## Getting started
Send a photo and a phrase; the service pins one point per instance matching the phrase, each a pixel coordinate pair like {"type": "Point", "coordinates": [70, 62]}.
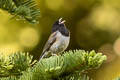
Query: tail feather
{"type": "Point", "coordinates": [43, 55]}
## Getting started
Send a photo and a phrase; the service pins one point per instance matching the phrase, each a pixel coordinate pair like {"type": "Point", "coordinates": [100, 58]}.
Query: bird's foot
{"type": "Point", "coordinates": [54, 54]}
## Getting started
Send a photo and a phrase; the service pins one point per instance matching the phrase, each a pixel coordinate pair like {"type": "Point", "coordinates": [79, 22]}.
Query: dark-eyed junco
{"type": "Point", "coordinates": [58, 40]}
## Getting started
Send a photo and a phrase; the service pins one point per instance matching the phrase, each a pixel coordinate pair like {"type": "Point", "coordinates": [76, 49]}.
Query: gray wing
{"type": "Point", "coordinates": [50, 41]}
{"type": "Point", "coordinates": [47, 46]}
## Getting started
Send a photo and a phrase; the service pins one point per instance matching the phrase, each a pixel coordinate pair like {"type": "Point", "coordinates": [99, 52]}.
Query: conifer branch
{"type": "Point", "coordinates": [8, 5]}
{"type": "Point", "coordinates": [68, 66]}
{"type": "Point", "coordinates": [14, 64]}
{"type": "Point", "coordinates": [75, 77]}
{"type": "Point", "coordinates": [26, 9]}
{"type": "Point", "coordinates": [9, 78]}
{"type": "Point", "coordinates": [118, 78]}
{"type": "Point", "coordinates": [58, 66]}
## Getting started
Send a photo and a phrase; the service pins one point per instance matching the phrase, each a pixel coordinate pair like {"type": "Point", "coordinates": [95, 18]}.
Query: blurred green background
{"type": "Point", "coordinates": [94, 24]}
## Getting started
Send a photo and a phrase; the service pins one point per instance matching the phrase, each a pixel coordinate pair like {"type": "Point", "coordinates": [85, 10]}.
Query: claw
{"type": "Point", "coordinates": [54, 54]}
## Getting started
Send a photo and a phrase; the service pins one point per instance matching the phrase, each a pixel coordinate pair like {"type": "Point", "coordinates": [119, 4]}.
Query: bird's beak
{"type": "Point", "coordinates": [61, 22]}
{"type": "Point", "coordinates": [60, 19]}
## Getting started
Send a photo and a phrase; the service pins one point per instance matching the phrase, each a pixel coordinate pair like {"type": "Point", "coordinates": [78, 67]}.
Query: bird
{"type": "Point", "coordinates": [58, 40]}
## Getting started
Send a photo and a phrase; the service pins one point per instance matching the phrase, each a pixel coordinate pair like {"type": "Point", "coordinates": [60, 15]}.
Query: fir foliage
{"type": "Point", "coordinates": [118, 78]}
{"type": "Point", "coordinates": [5, 66]}
{"type": "Point", "coordinates": [75, 77]}
{"type": "Point", "coordinates": [14, 64]}
{"type": "Point", "coordinates": [26, 9]}
{"type": "Point", "coordinates": [68, 66]}
{"type": "Point", "coordinates": [9, 78]}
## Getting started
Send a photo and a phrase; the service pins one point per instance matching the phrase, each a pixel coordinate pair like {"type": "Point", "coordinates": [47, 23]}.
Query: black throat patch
{"type": "Point", "coordinates": [64, 31]}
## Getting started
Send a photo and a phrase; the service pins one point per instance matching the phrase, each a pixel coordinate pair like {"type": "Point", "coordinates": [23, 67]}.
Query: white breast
{"type": "Point", "coordinates": [61, 43]}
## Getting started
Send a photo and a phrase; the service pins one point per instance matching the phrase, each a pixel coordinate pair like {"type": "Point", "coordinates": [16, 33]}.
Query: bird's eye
{"type": "Point", "coordinates": [56, 23]}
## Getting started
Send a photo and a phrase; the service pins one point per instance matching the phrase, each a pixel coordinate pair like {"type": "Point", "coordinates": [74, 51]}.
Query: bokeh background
{"type": "Point", "coordinates": [94, 24]}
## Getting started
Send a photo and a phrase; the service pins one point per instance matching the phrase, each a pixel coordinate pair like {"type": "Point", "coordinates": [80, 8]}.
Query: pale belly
{"type": "Point", "coordinates": [60, 45]}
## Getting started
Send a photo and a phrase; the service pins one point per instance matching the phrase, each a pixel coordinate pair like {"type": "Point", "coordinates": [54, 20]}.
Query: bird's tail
{"type": "Point", "coordinates": [43, 55]}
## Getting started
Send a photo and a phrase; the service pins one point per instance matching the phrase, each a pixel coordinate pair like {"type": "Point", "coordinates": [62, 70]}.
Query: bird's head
{"type": "Point", "coordinates": [58, 25]}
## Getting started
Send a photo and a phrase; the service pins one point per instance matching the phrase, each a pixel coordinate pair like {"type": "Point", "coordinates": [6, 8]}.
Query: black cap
{"type": "Point", "coordinates": [60, 26]}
